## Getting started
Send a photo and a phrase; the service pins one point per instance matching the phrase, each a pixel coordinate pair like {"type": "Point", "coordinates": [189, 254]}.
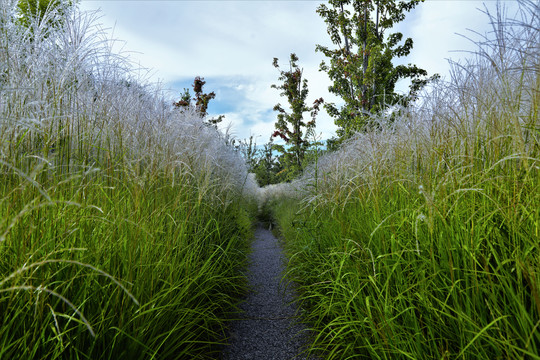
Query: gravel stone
{"type": "Point", "coordinates": [268, 326]}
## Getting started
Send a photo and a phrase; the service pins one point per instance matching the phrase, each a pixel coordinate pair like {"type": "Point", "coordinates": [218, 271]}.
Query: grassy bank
{"type": "Point", "coordinates": [123, 222]}
{"type": "Point", "coordinates": [419, 239]}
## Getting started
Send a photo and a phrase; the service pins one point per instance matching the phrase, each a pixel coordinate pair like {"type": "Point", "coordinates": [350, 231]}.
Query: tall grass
{"type": "Point", "coordinates": [123, 222]}
{"type": "Point", "coordinates": [421, 238]}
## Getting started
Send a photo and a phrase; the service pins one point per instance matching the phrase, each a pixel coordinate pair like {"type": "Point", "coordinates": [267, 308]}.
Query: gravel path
{"type": "Point", "coordinates": [267, 328]}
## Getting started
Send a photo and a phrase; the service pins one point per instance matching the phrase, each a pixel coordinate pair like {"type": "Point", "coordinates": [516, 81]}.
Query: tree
{"type": "Point", "coordinates": [30, 11]}
{"type": "Point", "coordinates": [361, 67]}
{"type": "Point", "coordinates": [248, 149]}
{"type": "Point", "coordinates": [291, 126]}
{"type": "Point", "coordinates": [268, 170]}
{"type": "Point", "coordinates": [262, 162]}
{"type": "Point", "coordinates": [200, 102]}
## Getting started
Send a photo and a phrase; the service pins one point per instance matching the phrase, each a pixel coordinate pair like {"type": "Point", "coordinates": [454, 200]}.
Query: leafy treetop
{"type": "Point", "coordinates": [361, 68]}
{"type": "Point", "coordinates": [201, 101]}
{"type": "Point", "coordinates": [290, 126]}
{"type": "Point", "coordinates": [30, 10]}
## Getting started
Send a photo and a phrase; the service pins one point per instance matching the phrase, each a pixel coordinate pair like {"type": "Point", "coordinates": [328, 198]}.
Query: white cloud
{"type": "Point", "coordinates": [438, 29]}
{"type": "Point", "coordinates": [237, 40]}
{"type": "Point", "coordinates": [183, 39]}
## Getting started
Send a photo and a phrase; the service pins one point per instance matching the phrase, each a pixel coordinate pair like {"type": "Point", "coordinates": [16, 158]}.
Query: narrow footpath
{"type": "Point", "coordinates": [268, 327]}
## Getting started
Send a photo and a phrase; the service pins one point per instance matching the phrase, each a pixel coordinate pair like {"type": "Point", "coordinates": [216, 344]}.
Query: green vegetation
{"type": "Point", "coordinates": [42, 13]}
{"type": "Point", "coordinates": [263, 163]}
{"type": "Point", "coordinates": [123, 221]}
{"type": "Point", "coordinates": [290, 127]}
{"type": "Point", "coordinates": [200, 102]}
{"type": "Point", "coordinates": [363, 75]}
{"type": "Point", "coordinates": [361, 68]}
{"type": "Point", "coordinates": [285, 161]}
{"type": "Point", "coordinates": [102, 264]}
{"type": "Point", "coordinates": [421, 239]}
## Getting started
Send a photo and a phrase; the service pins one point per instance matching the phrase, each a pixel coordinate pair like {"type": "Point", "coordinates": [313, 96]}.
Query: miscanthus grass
{"type": "Point", "coordinates": [420, 238]}
{"type": "Point", "coordinates": [123, 222]}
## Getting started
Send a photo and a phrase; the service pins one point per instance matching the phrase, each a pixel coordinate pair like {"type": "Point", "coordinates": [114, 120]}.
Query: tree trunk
{"type": "Point", "coordinates": [366, 59]}
{"type": "Point", "coordinates": [372, 99]}
{"type": "Point", "coordinates": [347, 49]}
{"type": "Point", "coordinates": [347, 54]}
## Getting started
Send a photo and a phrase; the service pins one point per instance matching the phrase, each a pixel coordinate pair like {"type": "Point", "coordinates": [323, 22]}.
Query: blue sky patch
{"type": "Point", "coordinates": [230, 92]}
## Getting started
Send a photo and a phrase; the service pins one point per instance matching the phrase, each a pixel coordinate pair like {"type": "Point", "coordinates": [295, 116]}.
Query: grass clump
{"type": "Point", "coordinates": [419, 239]}
{"type": "Point", "coordinates": [123, 222]}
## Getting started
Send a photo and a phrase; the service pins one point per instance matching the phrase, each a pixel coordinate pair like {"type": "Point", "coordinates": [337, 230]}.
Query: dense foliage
{"type": "Point", "coordinates": [291, 127]}
{"type": "Point", "coordinates": [123, 218]}
{"type": "Point", "coordinates": [42, 13]}
{"type": "Point", "coordinates": [420, 239]}
{"type": "Point", "coordinates": [199, 103]}
{"type": "Point", "coordinates": [361, 68]}
{"type": "Point", "coordinates": [123, 221]}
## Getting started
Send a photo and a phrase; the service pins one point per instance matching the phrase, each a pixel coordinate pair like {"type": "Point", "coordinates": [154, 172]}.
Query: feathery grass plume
{"type": "Point", "coordinates": [422, 237]}
{"type": "Point", "coordinates": [93, 157]}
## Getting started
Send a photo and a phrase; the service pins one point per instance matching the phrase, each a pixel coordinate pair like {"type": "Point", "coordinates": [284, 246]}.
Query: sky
{"type": "Point", "coordinates": [231, 44]}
